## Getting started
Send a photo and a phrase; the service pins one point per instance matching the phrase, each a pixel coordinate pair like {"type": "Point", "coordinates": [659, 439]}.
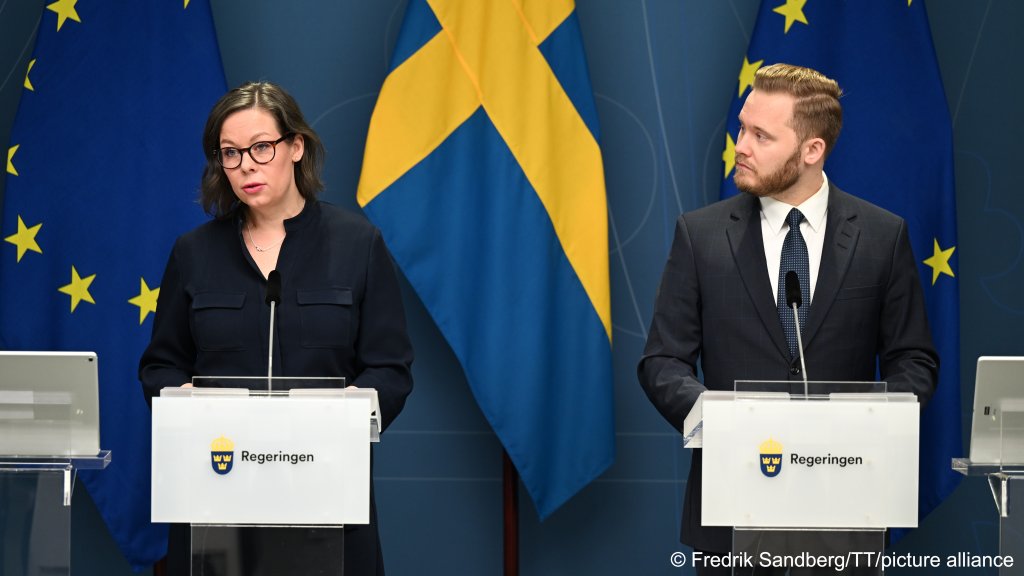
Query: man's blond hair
{"type": "Point", "coordinates": [817, 112]}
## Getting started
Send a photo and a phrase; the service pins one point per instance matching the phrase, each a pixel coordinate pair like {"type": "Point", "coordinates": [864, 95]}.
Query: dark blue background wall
{"type": "Point", "coordinates": [664, 72]}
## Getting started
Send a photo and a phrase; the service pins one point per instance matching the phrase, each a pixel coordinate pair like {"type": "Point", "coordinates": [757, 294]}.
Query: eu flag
{"type": "Point", "coordinates": [102, 173]}
{"type": "Point", "coordinates": [483, 171]}
{"type": "Point", "coordinates": [896, 151]}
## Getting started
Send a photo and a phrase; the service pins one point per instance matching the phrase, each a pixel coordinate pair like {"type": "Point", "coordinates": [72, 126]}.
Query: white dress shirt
{"type": "Point", "coordinates": [774, 229]}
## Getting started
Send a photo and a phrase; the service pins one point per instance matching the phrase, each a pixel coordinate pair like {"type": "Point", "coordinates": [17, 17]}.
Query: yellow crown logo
{"type": "Point", "coordinates": [221, 455]}
{"type": "Point", "coordinates": [770, 446]}
{"type": "Point", "coordinates": [222, 444]}
{"type": "Point", "coordinates": [771, 458]}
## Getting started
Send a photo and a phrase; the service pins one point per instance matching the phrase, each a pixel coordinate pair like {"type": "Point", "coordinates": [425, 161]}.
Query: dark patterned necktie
{"type": "Point", "coordinates": [794, 257]}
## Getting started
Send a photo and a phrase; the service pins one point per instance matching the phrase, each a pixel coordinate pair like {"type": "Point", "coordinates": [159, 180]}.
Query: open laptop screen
{"type": "Point", "coordinates": [998, 409]}
{"type": "Point", "coordinates": [49, 404]}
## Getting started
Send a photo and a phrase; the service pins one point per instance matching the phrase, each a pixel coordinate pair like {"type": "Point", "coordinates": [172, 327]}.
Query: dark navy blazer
{"type": "Point", "coordinates": [340, 314]}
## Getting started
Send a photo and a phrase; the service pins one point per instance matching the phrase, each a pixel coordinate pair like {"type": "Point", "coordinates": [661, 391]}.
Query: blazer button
{"type": "Point", "coordinates": [794, 371]}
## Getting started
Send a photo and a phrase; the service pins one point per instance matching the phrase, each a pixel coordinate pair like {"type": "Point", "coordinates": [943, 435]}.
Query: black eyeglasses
{"type": "Point", "coordinates": [260, 152]}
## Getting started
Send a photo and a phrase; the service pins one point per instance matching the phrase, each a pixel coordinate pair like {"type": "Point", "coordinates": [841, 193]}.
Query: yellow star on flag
{"type": "Point", "coordinates": [78, 289]}
{"type": "Point", "coordinates": [25, 238]}
{"type": "Point", "coordinates": [10, 159]}
{"type": "Point", "coordinates": [729, 155]}
{"type": "Point", "coordinates": [939, 262]}
{"type": "Point", "coordinates": [65, 9]}
{"type": "Point", "coordinates": [146, 300]}
{"type": "Point", "coordinates": [793, 10]}
{"type": "Point", "coordinates": [28, 83]}
{"type": "Point", "coordinates": [747, 74]}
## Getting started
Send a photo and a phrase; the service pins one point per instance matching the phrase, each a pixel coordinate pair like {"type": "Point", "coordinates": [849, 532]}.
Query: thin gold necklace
{"type": "Point", "coordinates": [248, 227]}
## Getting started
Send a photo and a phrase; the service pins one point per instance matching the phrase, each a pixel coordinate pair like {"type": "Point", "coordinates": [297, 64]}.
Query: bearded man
{"type": "Point", "coordinates": [721, 300]}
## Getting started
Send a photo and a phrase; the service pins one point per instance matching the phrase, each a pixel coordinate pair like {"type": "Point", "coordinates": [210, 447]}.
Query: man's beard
{"type": "Point", "coordinates": [775, 183]}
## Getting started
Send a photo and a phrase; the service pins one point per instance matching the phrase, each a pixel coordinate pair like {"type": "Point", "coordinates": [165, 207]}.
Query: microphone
{"type": "Point", "coordinates": [273, 297]}
{"type": "Point", "coordinates": [794, 300]}
{"type": "Point", "coordinates": [274, 287]}
{"type": "Point", "coordinates": [793, 296]}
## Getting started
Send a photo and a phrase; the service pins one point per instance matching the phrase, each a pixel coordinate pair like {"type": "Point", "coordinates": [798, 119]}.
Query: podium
{"type": "Point", "coordinates": [49, 430]}
{"type": "Point", "coordinates": [997, 448]}
{"type": "Point", "coordinates": [807, 479]}
{"type": "Point", "coordinates": [266, 480]}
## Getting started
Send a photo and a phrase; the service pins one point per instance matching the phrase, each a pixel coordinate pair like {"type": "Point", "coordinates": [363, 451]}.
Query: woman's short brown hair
{"type": "Point", "coordinates": [215, 194]}
{"type": "Point", "coordinates": [817, 112]}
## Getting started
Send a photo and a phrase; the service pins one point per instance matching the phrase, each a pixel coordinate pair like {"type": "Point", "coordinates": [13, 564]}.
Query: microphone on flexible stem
{"type": "Point", "coordinates": [794, 300]}
{"type": "Point", "coordinates": [273, 297]}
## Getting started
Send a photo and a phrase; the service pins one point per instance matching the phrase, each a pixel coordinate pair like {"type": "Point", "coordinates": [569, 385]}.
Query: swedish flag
{"type": "Point", "coordinates": [482, 169]}
{"type": "Point", "coordinates": [102, 172]}
{"type": "Point", "coordinates": [896, 151]}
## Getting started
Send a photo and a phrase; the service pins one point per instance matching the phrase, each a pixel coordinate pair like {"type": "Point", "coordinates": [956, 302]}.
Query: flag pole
{"type": "Point", "coordinates": [510, 500]}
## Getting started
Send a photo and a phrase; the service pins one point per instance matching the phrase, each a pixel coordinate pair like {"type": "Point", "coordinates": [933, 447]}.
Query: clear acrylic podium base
{"type": "Point", "coordinates": [808, 551]}
{"type": "Point", "coordinates": [219, 550]}
{"type": "Point", "coordinates": [1006, 481]}
{"type": "Point", "coordinates": [35, 512]}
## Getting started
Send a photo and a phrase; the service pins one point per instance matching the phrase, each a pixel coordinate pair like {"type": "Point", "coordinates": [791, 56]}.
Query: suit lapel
{"type": "Point", "coordinates": [841, 236]}
{"type": "Point", "coordinates": [744, 233]}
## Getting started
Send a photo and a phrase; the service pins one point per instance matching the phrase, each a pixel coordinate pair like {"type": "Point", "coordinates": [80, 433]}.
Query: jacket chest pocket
{"type": "Point", "coordinates": [326, 316]}
{"type": "Point", "coordinates": [217, 320]}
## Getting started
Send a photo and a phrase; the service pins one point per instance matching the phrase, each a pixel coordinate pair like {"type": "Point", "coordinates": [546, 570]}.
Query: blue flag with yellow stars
{"type": "Point", "coordinates": [483, 172]}
{"type": "Point", "coordinates": [895, 151]}
{"type": "Point", "coordinates": [103, 169]}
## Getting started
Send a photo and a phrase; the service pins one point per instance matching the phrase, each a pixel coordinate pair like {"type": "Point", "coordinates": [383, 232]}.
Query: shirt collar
{"type": "Point", "coordinates": [309, 213]}
{"type": "Point", "coordinates": [813, 209]}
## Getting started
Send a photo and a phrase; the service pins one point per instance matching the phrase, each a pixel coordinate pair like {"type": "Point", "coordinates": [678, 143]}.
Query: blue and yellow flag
{"type": "Point", "coordinates": [896, 151]}
{"type": "Point", "coordinates": [102, 170]}
{"type": "Point", "coordinates": [483, 170]}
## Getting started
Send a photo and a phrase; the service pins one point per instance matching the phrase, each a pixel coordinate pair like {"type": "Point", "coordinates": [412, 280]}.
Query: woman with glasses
{"type": "Point", "coordinates": [340, 311]}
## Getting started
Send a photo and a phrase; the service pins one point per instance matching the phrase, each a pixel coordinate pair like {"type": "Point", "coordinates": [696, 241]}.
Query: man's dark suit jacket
{"type": "Point", "coordinates": [715, 304]}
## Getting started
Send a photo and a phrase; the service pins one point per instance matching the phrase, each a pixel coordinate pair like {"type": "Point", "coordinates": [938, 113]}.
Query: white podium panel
{"type": "Point", "coordinates": [847, 462]}
{"type": "Point", "coordinates": [261, 460]}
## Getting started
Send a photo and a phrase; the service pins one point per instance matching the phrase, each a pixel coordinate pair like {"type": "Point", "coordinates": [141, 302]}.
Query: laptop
{"type": "Point", "coordinates": [998, 403]}
{"type": "Point", "coordinates": [49, 404]}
